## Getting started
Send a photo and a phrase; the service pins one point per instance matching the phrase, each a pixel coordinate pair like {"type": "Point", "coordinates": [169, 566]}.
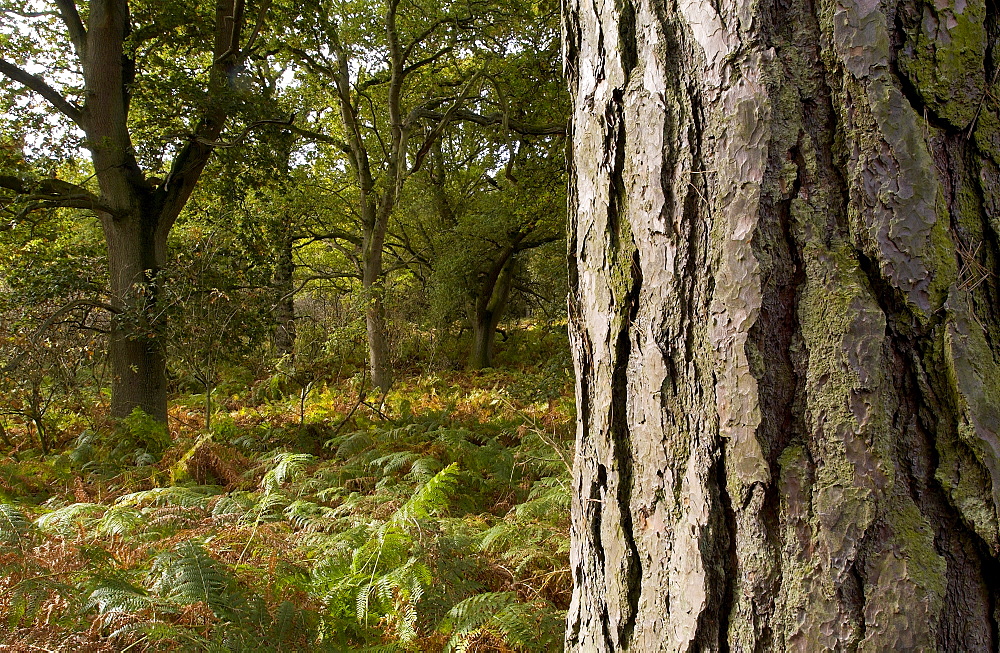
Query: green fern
{"type": "Point", "coordinates": [116, 595]}
{"type": "Point", "coordinates": [120, 520]}
{"type": "Point", "coordinates": [24, 599]}
{"type": "Point", "coordinates": [197, 496]}
{"type": "Point", "coordinates": [308, 516]}
{"type": "Point", "coordinates": [69, 520]}
{"type": "Point", "coordinates": [470, 614]}
{"type": "Point", "coordinates": [286, 466]}
{"type": "Point", "coordinates": [285, 620]}
{"type": "Point", "coordinates": [424, 468]}
{"type": "Point", "coordinates": [270, 506]}
{"type": "Point", "coordinates": [431, 498]}
{"type": "Point", "coordinates": [350, 444]}
{"type": "Point", "coordinates": [14, 526]}
{"type": "Point", "coordinates": [188, 574]}
{"type": "Point", "coordinates": [395, 461]}
{"type": "Point", "coordinates": [234, 505]}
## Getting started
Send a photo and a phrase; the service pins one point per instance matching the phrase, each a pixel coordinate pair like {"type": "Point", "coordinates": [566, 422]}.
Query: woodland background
{"type": "Point", "coordinates": [302, 493]}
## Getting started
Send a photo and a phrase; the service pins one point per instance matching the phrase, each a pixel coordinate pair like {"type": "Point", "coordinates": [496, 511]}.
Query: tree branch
{"type": "Point", "coordinates": [38, 85]}
{"type": "Point", "coordinates": [71, 18]}
{"type": "Point", "coordinates": [191, 160]}
{"type": "Point", "coordinates": [44, 326]}
{"type": "Point", "coordinates": [322, 138]}
{"type": "Point", "coordinates": [517, 126]}
{"type": "Point", "coordinates": [544, 240]}
{"type": "Point", "coordinates": [246, 132]}
{"type": "Point", "coordinates": [55, 193]}
{"type": "Point", "coordinates": [261, 16]}
{"type": "Point", "coordinates": [443, 123]}
{"type": "Point", "coordinates": [335, 234]}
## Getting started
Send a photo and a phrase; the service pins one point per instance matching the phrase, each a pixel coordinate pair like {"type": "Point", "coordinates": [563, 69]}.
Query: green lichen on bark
{"type": "Point", "coordinates": [804, 423]}
{"type": "Point", "coordinates": [943, 56]}
{"type": "Point", "coordinates": [896, 204]}
{"type": "Point", "coordinates": [971, 473]}
{"type": "Point", "coordinates": [987, 129]}
{"type": "Point", "coordinates": [843, 330]}
{"type": "Point", "coordinates": [906, 582]}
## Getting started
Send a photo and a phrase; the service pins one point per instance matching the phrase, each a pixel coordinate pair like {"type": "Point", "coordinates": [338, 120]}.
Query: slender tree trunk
{"type": "Point", "coordinates": [785, 314]}
{"type": "Point", "coordinates": [284, 311]}
{"type": "Point", "coordinates": [489, 310]}
{"type": "Point", "coordinates": [208, 386]}
{"type": "Point", "coordinates": [373, 283]}
{"type": "Point", "coordinates": [37, 415]}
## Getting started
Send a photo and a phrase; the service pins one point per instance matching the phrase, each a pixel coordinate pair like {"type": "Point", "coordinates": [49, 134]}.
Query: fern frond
{"type": "Point", "coordinates": [351, 444]}
{"type": "Point", "coordinates": [423, 469]}
{"type": "Point", "coordinates": [66, 521]}
{"type": "Point", "coordinates": [271, 506]}
{"type": "Point", "coordinates": [432, 497]}
{"type": "Point", "coordinates": [391, 647]}
{"type": "Point", "coordinates": [528, 626]}
{"type": "Point", "coordinates": [174, 495]}
{"type": "Point", "coordinates": [548, 496]}
{"type": "Point", "coordinates": [286, 466]}
{"type": "Point", "coordinates": [468, 615]}
{"type": "Point", "coordinates": [119, 520]}
{"type": "Point", "coordinates": [235, 504]}
{"type": "Point", "coordinates": [498, 537]}
{"type": "Point", "coordinates": [188, 574]}
{"type": "Point", "coordinates": [395, 461]}
{"type": "Point", "coordinates": [14, 526]}
{"type": "Point", "coordinates": [362, 602]}
{"type": "Point", "coordinates": [285, 617]}
{"type": "Point", "coordinates": [308, 516]}
{"type": "Point", "coordinates": [116, 595]}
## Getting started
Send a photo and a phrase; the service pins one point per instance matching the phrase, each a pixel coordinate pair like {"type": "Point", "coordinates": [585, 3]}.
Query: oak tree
{"type": "Point", "coordinates": [150, 86]}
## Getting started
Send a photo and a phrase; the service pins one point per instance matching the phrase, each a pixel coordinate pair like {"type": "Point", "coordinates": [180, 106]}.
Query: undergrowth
{"type": "Point", "coordinates": [435, 519]}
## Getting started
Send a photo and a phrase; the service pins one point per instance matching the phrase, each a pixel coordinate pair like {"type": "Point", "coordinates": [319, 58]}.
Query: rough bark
{"type": "Point", "coordinates": [136, 254]}
{"type": "Point", "coordinates": [373, 283]}
{"type": "Point", "coordinates": [784, 314]}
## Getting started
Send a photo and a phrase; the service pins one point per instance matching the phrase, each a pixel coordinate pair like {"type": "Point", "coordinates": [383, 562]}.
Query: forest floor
{"type": "Point", "coordinates": [433, 520]}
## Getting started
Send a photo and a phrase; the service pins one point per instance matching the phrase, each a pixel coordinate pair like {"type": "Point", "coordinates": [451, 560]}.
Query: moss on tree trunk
{"type": "Point", "coordinates": [784, 313]}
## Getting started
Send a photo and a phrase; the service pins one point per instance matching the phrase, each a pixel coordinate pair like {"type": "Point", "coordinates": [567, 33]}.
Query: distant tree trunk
{"type": "Point", "coordinates": [490, 307]}
{"type": "Point", "coordinates": [785, 319]}
{"type": "Point", "coordinates": [373, 283]}
{"type": "Point", "coordinates": [284, 310]}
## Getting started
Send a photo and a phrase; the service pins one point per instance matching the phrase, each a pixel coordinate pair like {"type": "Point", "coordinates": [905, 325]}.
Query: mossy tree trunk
{"type": "Point", "coordinates": [785, 318]}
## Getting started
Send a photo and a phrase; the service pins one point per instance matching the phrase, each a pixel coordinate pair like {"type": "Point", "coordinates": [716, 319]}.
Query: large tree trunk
{"type": "Point", "coordinates": [136, 254]}
{"type": "Point", "coordinates": [136, 213]}
{"type": "Point", "coordinates": [784, 313]}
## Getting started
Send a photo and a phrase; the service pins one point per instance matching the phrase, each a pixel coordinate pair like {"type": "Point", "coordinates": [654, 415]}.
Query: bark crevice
{"type": "Point", "coordinates": [924, 411]}
{"type": "Point", "coordinates": [623, 452]}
